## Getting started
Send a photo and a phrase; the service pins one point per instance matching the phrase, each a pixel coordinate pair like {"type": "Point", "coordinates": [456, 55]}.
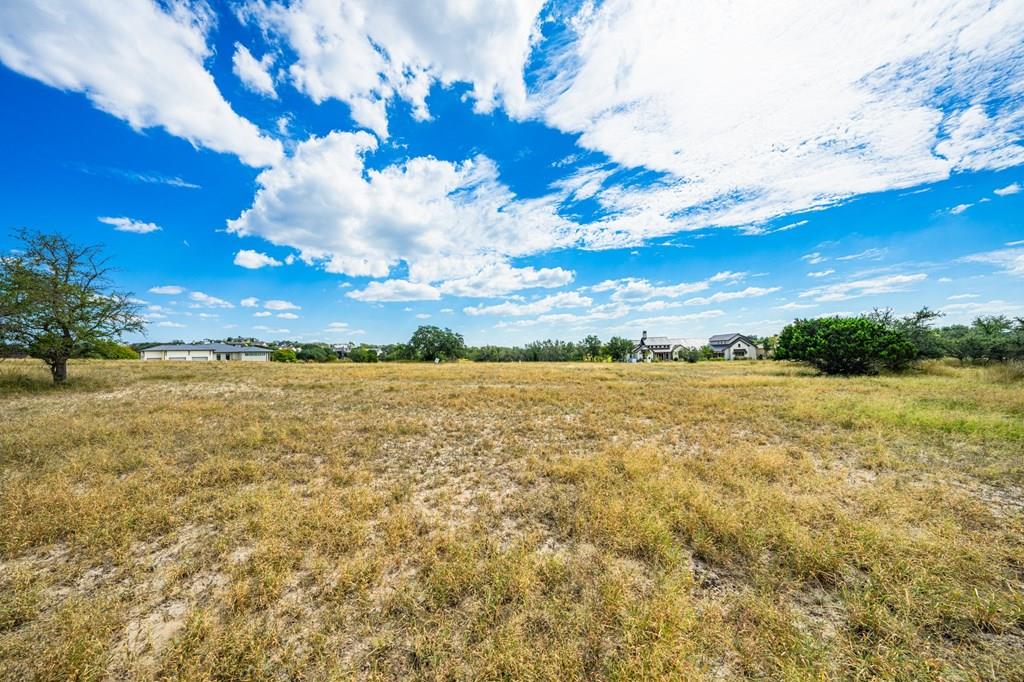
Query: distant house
{"type": "Point", "coordinates": [734, 347]}
{"type": "Point", "coordinates": [657, 348]}
{"type": "Point", "coordinates": [205, 352]}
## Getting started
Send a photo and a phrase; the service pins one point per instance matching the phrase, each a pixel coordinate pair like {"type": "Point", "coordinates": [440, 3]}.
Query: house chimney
{"type": "Point", "coordinates": [643, 337]}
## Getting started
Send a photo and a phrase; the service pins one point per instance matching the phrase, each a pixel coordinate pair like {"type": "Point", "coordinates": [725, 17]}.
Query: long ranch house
{"type": "Point", "coordinates": [205, 352]}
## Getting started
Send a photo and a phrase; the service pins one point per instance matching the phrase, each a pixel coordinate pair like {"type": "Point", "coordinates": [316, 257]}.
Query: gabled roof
{"type": "Point", "coordinates": [215, 347]}
{"type": "Point", "coordinates": [726, 340]}
{"type": "Point", "coordinates": [650, 341]}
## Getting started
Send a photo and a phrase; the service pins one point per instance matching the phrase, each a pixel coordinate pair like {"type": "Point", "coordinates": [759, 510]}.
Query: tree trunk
{"type": "Point", "coordinates": [59, 370]}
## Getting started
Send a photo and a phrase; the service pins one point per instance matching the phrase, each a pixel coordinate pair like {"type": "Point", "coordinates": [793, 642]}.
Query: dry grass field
{"type": "Point", "coordinates": [471, 521]}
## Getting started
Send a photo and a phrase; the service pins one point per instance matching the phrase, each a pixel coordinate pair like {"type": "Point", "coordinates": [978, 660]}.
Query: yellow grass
{"type": "Point", "coordinates": [719, 520]}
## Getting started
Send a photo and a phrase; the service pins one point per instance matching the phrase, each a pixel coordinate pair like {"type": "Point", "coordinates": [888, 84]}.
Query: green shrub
{"type": "Point", "coordinates": [844, 345]}
{"type": "Point", "coordinates": [363, 354]}
{"type": "Point", "coordinates": [105, 349]}
{"type": "Point", "coordinates": [284, 355]}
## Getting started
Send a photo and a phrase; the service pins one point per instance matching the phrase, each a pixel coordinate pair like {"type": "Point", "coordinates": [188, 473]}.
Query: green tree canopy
{"type": "Point", "coordinates": [618, 348]}
{"type": "Point", "coordinates": [844, 345]}
{"type": "Point", "coordinates": [430, 343]}
{"type": "Point", "coordinates": [56, 301]}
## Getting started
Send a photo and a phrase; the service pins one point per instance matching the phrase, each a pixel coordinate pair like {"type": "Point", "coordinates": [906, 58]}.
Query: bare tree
{"type": "Point", "coordinates": [55, 299]}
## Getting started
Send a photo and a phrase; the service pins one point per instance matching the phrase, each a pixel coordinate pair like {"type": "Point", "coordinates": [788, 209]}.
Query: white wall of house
{"type": "Point", "coordinates": [748, 351]}
{"type": "Point", "coordinates": [202, 356]}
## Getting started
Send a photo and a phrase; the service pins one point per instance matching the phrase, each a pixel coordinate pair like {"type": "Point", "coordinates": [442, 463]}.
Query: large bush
{"type": "Point", "coordinates": [283, 355]}
{"type": "Point", "coordinates": [844, 345]}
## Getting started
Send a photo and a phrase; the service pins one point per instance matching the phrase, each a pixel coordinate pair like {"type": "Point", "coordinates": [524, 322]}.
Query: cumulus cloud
{"type": "Point", "coordinates": [205, 300]}
{"type": "Point", "coordinates": [395, 290]}
{"type": "Point", "coordinates": [254, 260]}
{"type": "Point", "coordinates": [1012, 188]}
{"type": "Point", "coordinates": [168, 323]}
{"type": "Point", "coordinates": [366, 53]}
{"type": "Point", "coordinates": [821, 273]}
{"type": "Point", "coordinates": [167, 290]}
{"type": "Point", "coordinates": [278, 304]}
{"type": "Point", "coordinates": [960, 208]}
{"type": "Point", "coordinates": [130, 225]}
{"type": "Point", "coordinates": [634, 289]}
{"type": "Point", "coordinates": [569, 299]}
{"type": "Point", "coordinates": [136, 61]}
{"type": "Point", "coordinates": [287, 316]}
{"type": "Point", "coordinates": [1009, 261]}
{"type": "Point", "coordinates": [502, 278]}
{"type": "Point", "coordinates": [263, 313]}
{"type": "Point", "coordinates": [254, 73]}
{"type": "Point", "coordinates": [444, 220]}
{"type": "Point", "coordinates": [843, 291]}
{"type": "Point", "coordinates": [250, 302]}
{"type": "Point", "coordinates": [811, 104]}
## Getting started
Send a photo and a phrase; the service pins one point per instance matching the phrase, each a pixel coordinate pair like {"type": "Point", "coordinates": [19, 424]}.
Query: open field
{"type": "Point", "coordinates": [532, 521]}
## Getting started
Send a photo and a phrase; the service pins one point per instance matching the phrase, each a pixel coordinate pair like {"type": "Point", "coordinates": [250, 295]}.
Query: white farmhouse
{"type": "Point", "coordinates": [734, 347]}
{"type": "Point", "coordinates": [206, 352]}
{"type": "Point", "coordinates": [657, 348]}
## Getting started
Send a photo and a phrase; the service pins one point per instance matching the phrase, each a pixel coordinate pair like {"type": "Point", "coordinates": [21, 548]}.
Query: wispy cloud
{"type": "Point", "coordinates": [864, 287]}
{"type": "Point", "coordinates": [1012, 188]}
{"type": "Point", "coordinates": [1010, 261]}
{"type": "Point", "coordinates": [130, 225]}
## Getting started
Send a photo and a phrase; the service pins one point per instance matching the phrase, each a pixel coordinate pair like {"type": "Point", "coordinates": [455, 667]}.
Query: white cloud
{"type": "Point", "coordinates": [135, 61]}
{"type": "Point", "coordinates": [263, 313]}
{"type": "Point", "coordinates": [287, 316]}
{"type": "Point", "coordinates": [368, 52]}
{"type": "Point", "coordinates": [669, 320]}
{"type": "Point", "coordinates": [422, 316]}
{"type": "Point", "coordinates": [1010, 261]}
{"type": "Point", "coordinates": [960, 208]}
{"type": "Point", "coordinates": [721, 296]}
{"type": "Point", "coordinates": [863, 287]}
{"type": "Point", "coordinates": [754, 111]}
{"type": "Point", "coordinates": [793, 305]}
{"type": "Point", "coordinates": [254, 73]}
{"type": "Point", "coordinates": [250, 302]}
{"type": "Point", "coordinates": [168, 323]}
{"type": "Point", "coordinates": [813, 258]}
{"type": "Point", "coordinates": [208, 316]}
{"type": "Point", "coordinates": [205, 300]}
{"type": "Point", "coordinates": [395, 290]}
{"type": "Point", "coordinates": [272, 330]}
{"type": "Point", "coordinates": [130, 225]}
{"type": "Point", "coordinates": [961, 297]}
{"type": "Point", "coordinates": [1012, 188]}
{"type": "Point", "coordinates": [568, 299]}
{"type": "Point", "coordinates": [867, 254]}
{"type": "Point", "coordinates": [167, 290]}
{"type": "Point", "coordinates": [277, 304]}
{"type": "Point", "coordinates": [502, 278]}
{"type": "Point", "coordinates": [1019, 242]}
{"type": "Point", "coordinates": [821, 273]}
{"type": "Point", "coordinates": [445, 220]}
{"type": "Point", "coordinates": [633, 289]}
{"type": "Point", "coordinates": [600, 313]}
{"type": "Point", "coordinates": [447, 311]}
{"type": "Point", "coordinates": [254, 260]}
{"type": "Point", "coordinates": [994, 307]}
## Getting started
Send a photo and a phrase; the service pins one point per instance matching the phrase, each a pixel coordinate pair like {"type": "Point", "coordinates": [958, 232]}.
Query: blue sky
{"type": "Point", "coordinates": [347, 170]}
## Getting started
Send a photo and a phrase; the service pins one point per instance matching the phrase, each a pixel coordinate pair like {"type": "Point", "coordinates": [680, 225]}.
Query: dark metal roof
{"type": "Point", "coordinates": [726, 340]}
{"type": "Point", "coordinates": [215, 347]}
